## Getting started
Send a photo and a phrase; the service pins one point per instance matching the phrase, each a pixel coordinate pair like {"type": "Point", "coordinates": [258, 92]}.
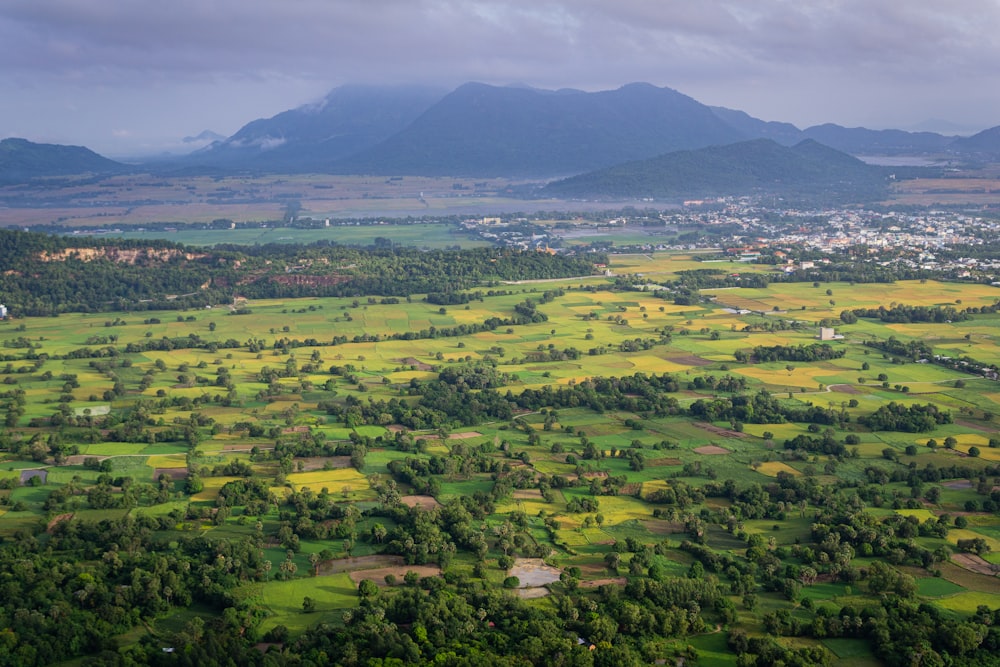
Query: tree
{"type": "Point", "coordinates": [368, 588]}
{"type": "Point", "coordinates": [308, 605]}
{"type": "Point", "coordinates": [613, 560]}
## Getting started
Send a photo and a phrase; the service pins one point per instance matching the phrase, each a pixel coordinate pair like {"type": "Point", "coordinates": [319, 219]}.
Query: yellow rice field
{"type": "Point", "coordinates": [772, 468]}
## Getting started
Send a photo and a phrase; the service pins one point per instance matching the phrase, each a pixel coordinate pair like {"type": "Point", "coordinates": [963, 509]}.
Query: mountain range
{"type": "Point", "coordinates": [481, 130]}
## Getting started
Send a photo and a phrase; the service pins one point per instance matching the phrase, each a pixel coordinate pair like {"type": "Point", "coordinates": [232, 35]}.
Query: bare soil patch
{"type": "Point", "coordinates": [528, 494]}
{"type": "Point", "coordinates": [592, 570]}
{"type": "Point", "coordinates": [323, 462]}
{"type": "Point", "coordinates": [844, 389]}
{"type": "Point", "coordinates": [454, 436]}
{"type": "Point", "coordinates": [29, 474]}
{"type": "Point", "coordinates": [973, 563]}
{"type": "Point", "coordinates": [711, 450]}
{"type": "Point", "coordinates": [295, 429]}
{"type": "Point", "coordinates": [533, 572]}
{"type": "Point", "coordinates": [237, 448]}
{"type": "Point", "coordinates": [662, 527]}
{"type": "Point", "coordinates": [419, 365]}
{"type": "Point", "coordinates": [172, 473]}
{"type": "Point", "coordinates": [720, 431]}
{"type": "Point", "coordinates": [56, 520]}
{"type": "Point", "coordinates": [360, 563]}
{"type": "Point", "coordinates": [690, 360]}
{"type": "Point", "coordinates": [78, 459]}
{"type": "Point", "coordinates": [958, 484]}
{"type": "Point", "coordinates": [378, 574]}
{"type": "Point", "coordinates": [532, 593]}
{"type": "Point", "coordinates": [395, 428]}
{"type": "Point", "coordinates": [665, 462]}
{"type": "Point", "coordinates": [594, 583]}
{"type": "Point", "coordinates": [423, 502]}
{"type": "Point", "coordinates": [600, 474]}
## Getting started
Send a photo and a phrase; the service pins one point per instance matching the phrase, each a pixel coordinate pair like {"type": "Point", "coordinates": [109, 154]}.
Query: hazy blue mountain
{"type": "Point", "coordinates": [21, 160]}
{"type": "Point", "coordinates": [985, 144]}
{"type": "Point", "coordinates": [484, 130]}
{"type": "Point", "coordinates": [349, 119]}
{"type": "Point", "coordinates": [854, 140]}
{"type": "Point", "coordinates": [487, 130]}
{"type": "Point", "coordinates": [942, 126]}
{"type": "Point", "coordinates": [807, 170]}
{"type": "Point", "coordinates": [204, 137]}
{"type": "Point", "coordinates": [785, 134]}
{"type": "Point", "coordinates": [862, 141]}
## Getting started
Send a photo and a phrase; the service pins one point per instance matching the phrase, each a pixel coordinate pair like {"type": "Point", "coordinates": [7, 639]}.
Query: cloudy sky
{"type": "Point", "coordinates": [128, 77]}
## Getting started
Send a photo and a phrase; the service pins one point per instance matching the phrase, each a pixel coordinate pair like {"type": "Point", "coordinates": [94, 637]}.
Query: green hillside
{"type": "Point", "coordinates": [761, 166]}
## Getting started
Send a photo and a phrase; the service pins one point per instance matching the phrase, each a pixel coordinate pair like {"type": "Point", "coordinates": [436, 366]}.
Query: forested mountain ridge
{"type": "Point", "coordinates": [760, 166]}
{"type": "Point", "coordinates": [21, 159]}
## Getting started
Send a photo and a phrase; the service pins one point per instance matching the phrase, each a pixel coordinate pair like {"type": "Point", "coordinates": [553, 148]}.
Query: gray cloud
{"type": "Point", "coordinates": [884, 62]}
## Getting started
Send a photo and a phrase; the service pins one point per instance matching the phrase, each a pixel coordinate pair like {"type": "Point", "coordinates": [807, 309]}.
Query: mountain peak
{"type": "Point", "coordinates": [485, 130]}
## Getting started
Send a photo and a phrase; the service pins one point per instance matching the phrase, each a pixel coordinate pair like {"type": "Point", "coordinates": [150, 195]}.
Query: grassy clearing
{"type": "Point", "coordinates": [283, 599]}
{"type": "Point", "coordinates": [935, 587]}
{"type": "Point", "coordinates": [967, 603]}
{"type": "Point", "coordinates": [849, 649]}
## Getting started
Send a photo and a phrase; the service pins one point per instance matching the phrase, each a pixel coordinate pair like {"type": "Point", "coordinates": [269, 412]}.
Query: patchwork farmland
{"type": "Point", "coordinates": [313, 461]}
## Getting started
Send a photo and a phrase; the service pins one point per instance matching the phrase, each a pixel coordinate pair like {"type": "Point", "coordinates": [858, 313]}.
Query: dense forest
{"type": "Point", "coordinates": [47, 275]}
